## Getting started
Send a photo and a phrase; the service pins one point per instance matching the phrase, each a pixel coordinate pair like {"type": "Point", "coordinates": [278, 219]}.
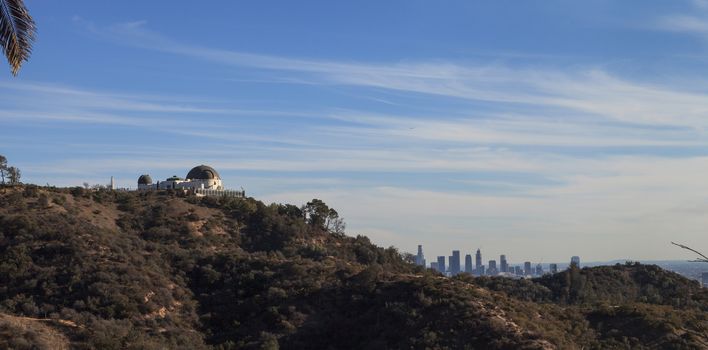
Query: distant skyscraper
{"type": "Point", "coordinates": [704, 278]}
{"type": "Point", "coordinates": [575, 260]}
{"type": "Point", "coordinates": [503, 265]}
{"type": "Point", "coordinates": [478, 263]}
{"type": "Point", "coordinates": [492, 269]}
{"type": "Point", "coordinates": [518, 271]}
{"type": "Point", "coordinates": [539, 270]}
{"type": "Point", "coordinates": [553, 268]}
{"type": "Point", "coordinates": [468, 264]}
{"type": "Point", "coordinates": [455, 263]}
{"type": "Point", "coordinates": [527, 268]}
{"type": "Point", "coordinates": [434, 266]}
{"type": "Point", "coordinates": [420, 258]}
{"type": "Point", "coordinates": [441, 264]}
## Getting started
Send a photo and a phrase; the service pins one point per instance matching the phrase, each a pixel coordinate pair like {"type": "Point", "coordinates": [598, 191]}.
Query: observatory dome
{"type": "Point", "coordinates": [203, 172]}
{"type": "Point", "coordinates": [144, 180]}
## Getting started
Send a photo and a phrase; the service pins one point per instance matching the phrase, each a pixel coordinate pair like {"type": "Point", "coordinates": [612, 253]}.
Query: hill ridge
{"type": "Point", "coordinates": [152, 270]}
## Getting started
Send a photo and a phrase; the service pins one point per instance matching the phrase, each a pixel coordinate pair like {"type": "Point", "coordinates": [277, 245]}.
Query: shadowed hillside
{"type": "Point", "coordinates": [611, 285]}
{"type": "Point", "coordinates": [153, 270]}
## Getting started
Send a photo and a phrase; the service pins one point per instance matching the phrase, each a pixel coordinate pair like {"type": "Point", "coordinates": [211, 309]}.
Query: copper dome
{"type": "Point", "coordinates": [203, 172]}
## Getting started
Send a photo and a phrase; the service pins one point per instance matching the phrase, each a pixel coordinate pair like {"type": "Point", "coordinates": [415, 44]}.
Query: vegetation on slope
{"type": "Point", "coordinates": [142, 270]}
{"type": "Point", "coordinates": [612, 285]}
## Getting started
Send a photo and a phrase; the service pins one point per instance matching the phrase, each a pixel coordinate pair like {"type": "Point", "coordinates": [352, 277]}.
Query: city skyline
{"type": "Point", "coordinates": [534, 269]}
{"type": "Point", "coordinates": [531, 129]}
{"type": "Point", "coordinates": [528, 269]}
{"type": "Point", "coordinates": [451, 265]}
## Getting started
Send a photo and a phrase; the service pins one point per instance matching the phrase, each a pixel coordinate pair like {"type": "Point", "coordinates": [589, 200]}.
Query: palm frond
{"type": "Point", "coordinates": [703, 259]}
{"type": "Point", "coordinates": [17, 32]}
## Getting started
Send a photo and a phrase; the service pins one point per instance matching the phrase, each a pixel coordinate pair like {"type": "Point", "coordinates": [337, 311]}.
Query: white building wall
{"type": "Point", "coordinates": [207, 184]}
{"type": "Point", "coordinates": [213, 184]}
{"type": "Point", "coordinates": [147, 187]}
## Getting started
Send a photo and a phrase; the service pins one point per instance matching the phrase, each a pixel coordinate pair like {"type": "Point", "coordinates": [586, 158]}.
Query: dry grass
{"type": "Point", "coordinates": [21, 333]}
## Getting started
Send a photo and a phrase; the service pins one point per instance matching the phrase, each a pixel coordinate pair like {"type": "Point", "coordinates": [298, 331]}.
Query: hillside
{"type": "Point", "coordinates": [153, 270]}
{"type": "Point", "coordinates": [611, 285]}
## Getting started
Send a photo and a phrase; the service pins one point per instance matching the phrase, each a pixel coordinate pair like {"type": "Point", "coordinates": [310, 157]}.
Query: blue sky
{"type": "Point", "coordinates": [536, 129]}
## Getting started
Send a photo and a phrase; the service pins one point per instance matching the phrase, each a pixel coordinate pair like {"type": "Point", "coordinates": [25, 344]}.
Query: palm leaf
{"type": "Point", "coordinates": [17, 31]}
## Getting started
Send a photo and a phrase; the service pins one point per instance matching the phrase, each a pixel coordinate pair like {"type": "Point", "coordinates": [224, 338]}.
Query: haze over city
{"type": "Point", "coordinates": [537, 130]}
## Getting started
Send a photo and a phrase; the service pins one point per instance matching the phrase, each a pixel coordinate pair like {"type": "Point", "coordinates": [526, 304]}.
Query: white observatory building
{"type": "Point", "coordinates": [202, 177]}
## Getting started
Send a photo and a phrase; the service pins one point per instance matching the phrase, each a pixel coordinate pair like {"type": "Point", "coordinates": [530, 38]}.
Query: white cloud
{"type": "Point", "coordinates": [514, 129]}
{"type": "Point", "coordinates": [587, 91]}
{"type": "Point", "coordinates": [695, 23]}
{"type": "Point", "coordinates": [684, 23]}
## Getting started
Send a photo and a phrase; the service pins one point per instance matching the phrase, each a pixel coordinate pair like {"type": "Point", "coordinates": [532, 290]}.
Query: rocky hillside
{"type": "Point", "coordinates": [115, 270]}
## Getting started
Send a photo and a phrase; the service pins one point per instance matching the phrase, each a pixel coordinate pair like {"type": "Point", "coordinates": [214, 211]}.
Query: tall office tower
{"type": "Point", "coordinates": [441, 264]}
{"type": "Point", "coordinates": [503, 265]}
{"type": "Point", "coordinates": [575, 260]}
{"type": "Point", "coordinates": [492, 269]}
{"type": "Point", "coordinates": [527, 268]}
{"type": "Point", "coordinates": [478, 263]}
{"type": "Point", "coordinates": [468, 264]}
{"type": "Point", "coordinates": [539, 270]}
{"type": "Point", "coordinates": [553, 268]}
{"type": "Point", "coordinates": [518, 271]}
{"type": "Point", "coordinates": [420, 258]}
{"type": "Point", "coordinates": [434, 266]}
{"type": "Point", "coordinates": [455, 263]}
{"type": "Point", "coordinates": [704, 278]}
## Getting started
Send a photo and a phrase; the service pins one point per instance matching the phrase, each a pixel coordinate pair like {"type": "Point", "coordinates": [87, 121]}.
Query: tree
{"type": "Point", "coordinates": [17, 32]}
{"type": "Point", "coordinates": [14, 174]}
{"type": "Point", "coordinates": [318, 214]}
{"type": "Point", "coordinates": [334, 223]}
{"type": "Point", "coordinates": [3, 167]}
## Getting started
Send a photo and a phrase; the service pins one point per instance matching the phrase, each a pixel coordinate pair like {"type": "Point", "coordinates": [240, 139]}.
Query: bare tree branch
{"type": "Point", "coordinates": [704, 258]}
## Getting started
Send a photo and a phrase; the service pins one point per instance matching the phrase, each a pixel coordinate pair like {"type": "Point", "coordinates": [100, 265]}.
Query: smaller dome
{"type": "Point", "coordinates": [145, 180]}
{"type": "Point", "coordinates": [203, 172]}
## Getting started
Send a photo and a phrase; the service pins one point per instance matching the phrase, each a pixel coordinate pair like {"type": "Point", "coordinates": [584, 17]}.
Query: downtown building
{"type": "Point", "coordinates": [492, 270]}
{"type": "Point", "coordinates": [503, 264]}
{"type": "Point", "coordinates": [441, 265]}
{"type": "Point", "coordinates": [478, 263]}
{"type": "Point", "coordinates": [575, 261]}
{"type": "Point", "coordinates": [468, 264]}
{"type": "Point", "coordinates": [454, 263]}
{"type": "Point", "coordinates": [420, 258]}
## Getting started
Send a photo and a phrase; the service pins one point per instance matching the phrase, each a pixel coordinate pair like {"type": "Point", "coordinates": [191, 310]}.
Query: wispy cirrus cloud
{"type": "Point", "coordinates": [693, 22]}
{"type": "Point", "coordinates": [51, 103]}
{"type": "Point", "coordinates": [684, 24]}
{"type": "Point", "coordinates": [52, 95]}
{"type": "Point", "coordinates": [585, 91]}
{"type": "Point", "coordinates": [515, 129]}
